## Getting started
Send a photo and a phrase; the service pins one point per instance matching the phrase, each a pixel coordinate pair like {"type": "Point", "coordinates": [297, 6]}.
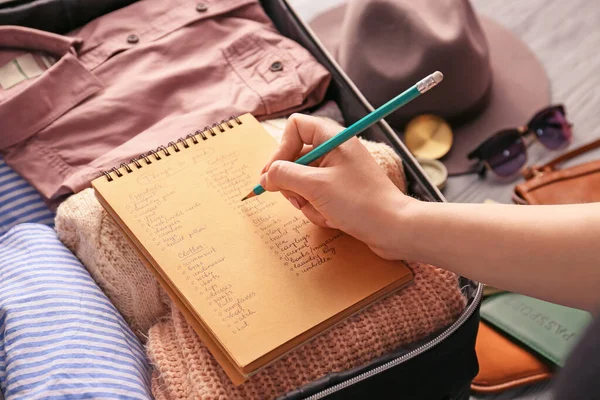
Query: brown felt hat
{"type": "Point", "coordinates": [491, 80]}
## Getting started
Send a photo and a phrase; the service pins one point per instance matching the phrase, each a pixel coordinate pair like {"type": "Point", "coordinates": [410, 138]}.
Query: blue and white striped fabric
{"type": "Point", "coordinates": [60, 336]}
{"type": "Point", "coordinates": [19, 201]}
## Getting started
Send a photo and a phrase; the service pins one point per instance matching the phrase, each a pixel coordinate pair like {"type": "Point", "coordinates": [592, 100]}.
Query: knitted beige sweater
{"type": "Point", "coordinates": [87, 230]}
{"type": "Point", "coordinates": [184, 369]}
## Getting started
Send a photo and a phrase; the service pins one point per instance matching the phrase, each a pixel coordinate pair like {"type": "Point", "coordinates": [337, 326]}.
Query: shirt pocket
{"type": "Point", "coordinates": [268, 65]}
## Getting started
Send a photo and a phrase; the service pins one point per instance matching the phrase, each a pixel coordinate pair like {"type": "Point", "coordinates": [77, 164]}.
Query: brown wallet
{"type": "Point", "coordinates": [548, 185]}
{"type": "Point", "coordinates": [504, 364]}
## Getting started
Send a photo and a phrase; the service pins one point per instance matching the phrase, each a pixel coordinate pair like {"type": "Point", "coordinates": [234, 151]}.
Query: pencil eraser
{"type": "Point", "coordinates": [437, 76]}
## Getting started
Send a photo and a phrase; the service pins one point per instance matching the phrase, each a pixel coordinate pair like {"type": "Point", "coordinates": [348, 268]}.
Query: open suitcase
{"type": "Point", "coordinates": [439, 367]}
{"type": "Point", "coordinates": [443, 365]}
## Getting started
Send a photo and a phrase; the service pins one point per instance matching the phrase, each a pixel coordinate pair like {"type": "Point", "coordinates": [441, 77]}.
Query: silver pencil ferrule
{"type": "Point", "coordinates": [429, 81]}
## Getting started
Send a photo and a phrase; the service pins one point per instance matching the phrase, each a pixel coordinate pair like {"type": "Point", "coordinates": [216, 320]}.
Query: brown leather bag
{"type": "Point", "coordinates": [548, 185]}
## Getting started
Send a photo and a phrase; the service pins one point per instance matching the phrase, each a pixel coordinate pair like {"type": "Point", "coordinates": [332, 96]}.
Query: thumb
{"type": "Point", "coordinates": [286, 175]}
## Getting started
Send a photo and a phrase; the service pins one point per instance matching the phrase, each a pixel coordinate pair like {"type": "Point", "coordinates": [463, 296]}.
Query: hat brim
{"type": "Point", "coordinates": [519, 87]}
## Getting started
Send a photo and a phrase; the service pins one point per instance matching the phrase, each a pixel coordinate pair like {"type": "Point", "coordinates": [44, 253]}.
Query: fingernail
{"type": "Point", "coordinates": [263, 180]}
{"type": "Point", "coordinates": [294, 202]}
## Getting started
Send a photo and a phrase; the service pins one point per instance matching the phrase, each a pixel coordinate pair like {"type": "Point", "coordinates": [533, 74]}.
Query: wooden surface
{"type": "Point", "coordinates": [565, 36]}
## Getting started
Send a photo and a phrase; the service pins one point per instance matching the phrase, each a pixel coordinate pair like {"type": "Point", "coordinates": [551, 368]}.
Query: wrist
{"type": "Point", "coordinates": [393, 226]}
{"type": "Point", "coordinates": [409, 220]}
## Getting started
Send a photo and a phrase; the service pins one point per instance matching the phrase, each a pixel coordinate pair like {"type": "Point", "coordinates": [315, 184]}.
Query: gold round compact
{"type": "Point", "coordinates": [435, 170]}
{"type": "Point", "coordinates": [428, 136]}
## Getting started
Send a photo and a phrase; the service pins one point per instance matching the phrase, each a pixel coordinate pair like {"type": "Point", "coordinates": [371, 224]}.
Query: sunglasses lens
{"type": "Point", "coordinates": [505, 153]}
{"type": "Point", "coordinates": [552, 129]}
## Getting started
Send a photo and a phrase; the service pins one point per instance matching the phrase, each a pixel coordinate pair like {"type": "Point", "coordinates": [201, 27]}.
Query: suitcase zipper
{"type": "Point", "coordinates": [450, 330]}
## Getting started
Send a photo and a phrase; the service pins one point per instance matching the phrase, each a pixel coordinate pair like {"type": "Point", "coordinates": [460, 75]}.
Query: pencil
{"type": "Point", "coordinates": [364, 123]}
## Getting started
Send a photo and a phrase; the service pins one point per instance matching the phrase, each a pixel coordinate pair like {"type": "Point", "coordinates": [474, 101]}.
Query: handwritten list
{"type": "Point", "coordinates": [198, 252]}
{"type": "Point", "coordinates": [287, 237]}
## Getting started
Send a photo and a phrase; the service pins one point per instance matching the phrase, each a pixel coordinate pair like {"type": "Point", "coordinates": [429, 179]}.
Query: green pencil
{"type": "Point", "coordinates": [361, 125]}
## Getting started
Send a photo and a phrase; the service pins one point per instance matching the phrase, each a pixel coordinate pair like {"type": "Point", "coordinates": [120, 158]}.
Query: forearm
{"type": "Point", "coordinates": [550, 252]}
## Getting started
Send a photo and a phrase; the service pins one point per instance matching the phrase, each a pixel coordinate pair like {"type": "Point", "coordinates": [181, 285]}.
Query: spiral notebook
{"type": "Point", "coordinates": [255, 278]}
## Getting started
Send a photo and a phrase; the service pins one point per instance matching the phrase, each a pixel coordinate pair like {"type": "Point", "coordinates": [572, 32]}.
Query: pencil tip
{"type": "Point", "coordinates": [249, 196]}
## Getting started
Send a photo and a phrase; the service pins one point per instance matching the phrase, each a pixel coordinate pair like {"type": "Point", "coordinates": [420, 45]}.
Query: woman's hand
{"type": "Point", "coordinates": [346, 189]}
{"type": "Point", "coordinates": [549, 252]}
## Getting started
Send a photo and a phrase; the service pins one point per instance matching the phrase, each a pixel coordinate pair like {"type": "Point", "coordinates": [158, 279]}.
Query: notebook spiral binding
{"type": "Point", "coordinates": [136, 162]}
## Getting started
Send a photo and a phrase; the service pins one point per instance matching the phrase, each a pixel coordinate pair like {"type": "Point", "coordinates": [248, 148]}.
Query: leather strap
{"type": "Point", "coordinates": [530, 172]}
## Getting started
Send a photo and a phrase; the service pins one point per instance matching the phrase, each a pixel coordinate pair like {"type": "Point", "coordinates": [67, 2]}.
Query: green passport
{"type": "Point", "coordinates": [549, 329]}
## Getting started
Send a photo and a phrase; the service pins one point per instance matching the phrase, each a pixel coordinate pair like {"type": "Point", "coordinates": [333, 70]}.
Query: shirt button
{"type": "Point", "coordinates": [201, 7]}
{"type": "Point", "coordinates": [133, 39]}
{"type": "Point", "coordinates": [276, 66]}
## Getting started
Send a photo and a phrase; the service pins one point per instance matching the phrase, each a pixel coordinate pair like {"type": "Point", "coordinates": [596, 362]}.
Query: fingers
{"type": "Point", "coordinates": [306, 181]}
{"type": "Point", "coordinates": [310, 130]}
{"type": "Point", "coordinates": [314, 216]}
{"type": "Point", "coordinates": [294, 198]}
{"type": "Point", "coordinates": [305, 149]}
{"type": "Point", "coordinates": [300, 130]}
{"type": "Point", "coordinates": [307, 209]}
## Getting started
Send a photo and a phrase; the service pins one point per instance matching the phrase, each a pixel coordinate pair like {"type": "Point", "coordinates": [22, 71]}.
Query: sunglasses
{"type": "Point", "coordinates": [505, 153]}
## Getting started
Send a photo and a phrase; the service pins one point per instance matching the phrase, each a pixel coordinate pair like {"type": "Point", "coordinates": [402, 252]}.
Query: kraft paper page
{"type": "Point", "coordinates": [257, 273]}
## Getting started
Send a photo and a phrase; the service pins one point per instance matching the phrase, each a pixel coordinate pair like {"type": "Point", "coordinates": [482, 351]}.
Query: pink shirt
{"type": "Point", "coordinates": [139, 77]}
